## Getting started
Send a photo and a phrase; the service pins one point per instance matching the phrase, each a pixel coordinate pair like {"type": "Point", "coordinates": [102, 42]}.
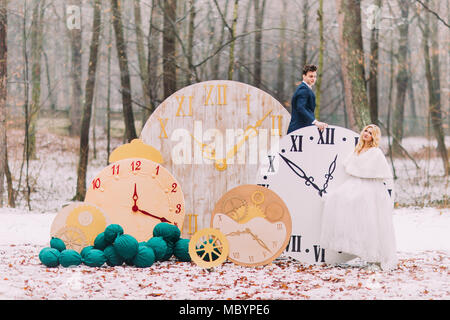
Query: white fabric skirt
{"type": "Point", "coordinates": [357, 219]}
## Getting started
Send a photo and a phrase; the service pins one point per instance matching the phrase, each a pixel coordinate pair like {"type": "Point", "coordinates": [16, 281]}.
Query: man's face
{"type": "Point", "coordinates": [310, 77]}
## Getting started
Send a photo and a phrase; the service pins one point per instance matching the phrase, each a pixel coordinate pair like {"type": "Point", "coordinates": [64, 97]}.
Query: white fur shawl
{"type": "Point", "coordinates": [370, 164]}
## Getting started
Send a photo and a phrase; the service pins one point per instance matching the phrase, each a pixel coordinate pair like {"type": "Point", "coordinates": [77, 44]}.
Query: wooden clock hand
{"type": "Point", "coordinates": [254, 236]}
{"type": "Point", "coordinates": [135, 198]}
{"type": "Point", "coordinates": [135, 208]}
{"type": "Point", "coordinates": [295, 168]}
{"type": "Point", "coordinates": [221, 164]}
{"type": "Point", "coordinates": [162, 219]}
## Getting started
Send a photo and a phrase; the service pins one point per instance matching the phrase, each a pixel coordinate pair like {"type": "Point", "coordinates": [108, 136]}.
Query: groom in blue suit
{"type": "Point", "coordinates": [304, 102]}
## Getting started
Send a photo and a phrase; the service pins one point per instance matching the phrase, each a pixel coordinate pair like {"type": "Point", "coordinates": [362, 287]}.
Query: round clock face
{"type": "Point", "coordinates": [308, 165]}
{"type": "Point", "coordinates": [138, 194]}
{"type": "Point", "coordinates": [256, 223]}
{"type": "Point", "coordinates": [77, 224]}
{"type": "Point", "coordinates": [212, 136]}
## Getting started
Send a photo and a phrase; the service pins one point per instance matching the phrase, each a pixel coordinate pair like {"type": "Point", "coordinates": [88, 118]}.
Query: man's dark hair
{"type": "Point", "coordinates": [309, 68]}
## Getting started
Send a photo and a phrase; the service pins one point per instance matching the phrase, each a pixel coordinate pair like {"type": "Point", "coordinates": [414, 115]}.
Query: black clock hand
{"type": "Point", "coordinates": [295, 168]}
{"type": "Point", "coordinates": [329, 175]}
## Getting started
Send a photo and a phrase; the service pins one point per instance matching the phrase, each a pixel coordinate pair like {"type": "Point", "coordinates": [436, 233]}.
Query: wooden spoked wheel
{"type": "Point", "coordinates": [208, 248]}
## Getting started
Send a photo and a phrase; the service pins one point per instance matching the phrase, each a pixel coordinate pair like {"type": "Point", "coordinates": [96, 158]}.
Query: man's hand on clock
{"type": "Point", "coordinates": [320, 125]}
{"type": "Point", "coordinates": [135, 208]}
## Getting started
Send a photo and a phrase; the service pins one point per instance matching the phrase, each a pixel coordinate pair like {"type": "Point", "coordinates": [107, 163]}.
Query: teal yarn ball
{"type": "Point", "coordinates": [111, 232]}
{"type": "Point", "coordinates": [181, 250]}
{"type": "Point", "coordinates": [167, 231]}
{"type": "Point", "coordinates": [126, 246]}
{"type": "Point", "coordinates": [169, 251]}
{"type": "Point", "coordinates": [100, 242]}
{"type": "Point", "coordinates": [112, 258]}
{"type": "Point", "coordinates": [69, 258]}
{"type": "Point", "coordinates": [95, 258]}
{"type": "Point", "coordinates": [85, 251]}
{"type": "Point", "coordinates": [49, 257]}
{"type": "Point", "coordinates": [57, 244]}
{"type": "Point", "coordinates": [144, 258]}
{"type": "Point", "coordinates": [159, 246]}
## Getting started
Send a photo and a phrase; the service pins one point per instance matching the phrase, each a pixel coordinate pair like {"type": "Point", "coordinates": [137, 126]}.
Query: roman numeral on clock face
{"type": "Point", "coordinates": [329, 136]}
{"type": "Point", "coordinates": [220, 95]}
{"type": "Point", "coordinates": [181, 102]}
{"type": "Point", "coordinates": [319, 253]}
{"type": "Point", "coordinates": [297, 142]}
{"type": "Point", "coordinates": [295, 244]}
{"type": "Point", "coordinates": [271, 167]}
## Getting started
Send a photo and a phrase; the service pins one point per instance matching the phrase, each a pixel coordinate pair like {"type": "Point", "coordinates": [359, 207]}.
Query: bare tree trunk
{"type": "Point", "coordinates": [143, 69]}
{"type": "Point", "coordinates": [89, 92]}
{"type": "Point", "coordinates": [190, 43]}
{"type": "Point", "coordinates": [130, 130]}
{"type": "Point", "coordinates": [152, 60]}
{"type": "Point", "coordinates": [169, 49]}
{"type": "Point", "coordinates": [259, 21]}
{"type": "Point", "coordinates": [373, 70]}
{"type": "Point", "coordinates": [108, 97]}
{"type": "Point", "coordinates": [216, 59]}
{"type": "Point", "coordinates": [242, 73]}
{"type": "Point", "coordinates": [3, 92]}
{"type": "Point", "coordinates": [281, 74]}
{"type": "Point", "coordinates": [352, 57]}
{"type": "Point", "coordinates": [36, 55]}
{"type": "Point", "coordinates": [305, 33]}
{"type": "Point", "coordinates": [75, 110]}
{"type": "Point", "coordinates": [402, 78]}
{"type": "Point", "coordinates": [433, 81]}
{"type": "Point", "coordinates": [233, 43]}
{"type": "Point", "coordinates": [320, 69]}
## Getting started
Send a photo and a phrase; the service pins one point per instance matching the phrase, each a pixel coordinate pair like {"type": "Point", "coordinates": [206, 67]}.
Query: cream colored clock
{"type": "Point", "coordinates": [137, 194]}
{"type": "Point", "coordinates": [256, 223]}
{"type": "Point", "coordinates": [213, 136]}
{"type": "Point", "coordinates": [78, 223]}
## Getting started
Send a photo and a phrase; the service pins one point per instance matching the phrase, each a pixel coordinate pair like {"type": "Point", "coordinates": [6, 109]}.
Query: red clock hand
{"type": "Point", "coordinates": [135, 198]}
{"type": "Point", "coordinates": [162, 219]}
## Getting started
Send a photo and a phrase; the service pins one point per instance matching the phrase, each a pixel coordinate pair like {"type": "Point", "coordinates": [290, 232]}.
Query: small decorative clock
{"type": "Point", "coordinates": [256, 223]}
{"type": "Point", "coordinates": [137, 194]}
{"type": "Point", "coordinates": [308, 165]}
{"type": "Point", "coordinates": [212, 136]}
{"type": "Point", "coordinates": [78, 223]}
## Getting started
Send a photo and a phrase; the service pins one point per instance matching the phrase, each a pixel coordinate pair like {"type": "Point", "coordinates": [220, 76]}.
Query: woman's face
{"type": "Point", "coordinates": [367, 134]}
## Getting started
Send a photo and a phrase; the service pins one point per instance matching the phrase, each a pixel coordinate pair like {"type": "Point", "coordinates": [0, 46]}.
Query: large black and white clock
{"type": "Point", "coordinates": [307, 166]}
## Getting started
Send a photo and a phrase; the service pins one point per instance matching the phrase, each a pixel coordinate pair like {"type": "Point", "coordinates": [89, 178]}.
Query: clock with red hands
{"type": "Point", "coordinates": [135, 208]}
{"type": "Point", "coordinates": [138, 194]}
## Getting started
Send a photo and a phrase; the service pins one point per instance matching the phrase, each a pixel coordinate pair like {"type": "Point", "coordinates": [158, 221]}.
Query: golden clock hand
{"type": "Point", "coordinates": [211, 155]}
{"type": "Point", "coordinates": [221, 164]}
{"type": "Point", "coordinates": [255, 237]}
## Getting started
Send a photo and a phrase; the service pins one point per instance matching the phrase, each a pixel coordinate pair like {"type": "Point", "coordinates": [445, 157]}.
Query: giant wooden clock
{"type": "Point", "coordinates": [212, 136]}
{"type": "Point", "coordinates": [307, 166]}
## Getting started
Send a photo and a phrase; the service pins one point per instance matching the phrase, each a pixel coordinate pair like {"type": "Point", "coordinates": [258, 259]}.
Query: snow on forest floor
{"type": "Point", "coordinates": [422, 233]}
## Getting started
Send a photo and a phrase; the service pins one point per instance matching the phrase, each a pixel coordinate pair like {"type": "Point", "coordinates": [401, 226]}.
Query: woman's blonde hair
{"type": "Point", "coordinates": [376, 135]}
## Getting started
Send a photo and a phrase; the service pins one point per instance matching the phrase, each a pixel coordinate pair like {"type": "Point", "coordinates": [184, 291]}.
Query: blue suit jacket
{"type": "Point", "coordinates": [303, 105]}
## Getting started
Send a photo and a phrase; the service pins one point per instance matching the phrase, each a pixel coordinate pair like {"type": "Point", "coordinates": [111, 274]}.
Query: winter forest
{"type": "Point", "coordinates": [97, 69]}
{"type": "Point", "coordinates": [78, 78]}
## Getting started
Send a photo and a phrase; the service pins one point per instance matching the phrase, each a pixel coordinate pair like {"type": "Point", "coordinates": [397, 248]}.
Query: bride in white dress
{"type": "Point", "coordinates": [357, 217]}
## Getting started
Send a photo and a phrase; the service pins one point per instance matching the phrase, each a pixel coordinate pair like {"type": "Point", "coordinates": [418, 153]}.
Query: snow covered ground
{"type": "Point", "coordinates": [423, 241]}
{"type": "Point", "coordinates": [422, 232]}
